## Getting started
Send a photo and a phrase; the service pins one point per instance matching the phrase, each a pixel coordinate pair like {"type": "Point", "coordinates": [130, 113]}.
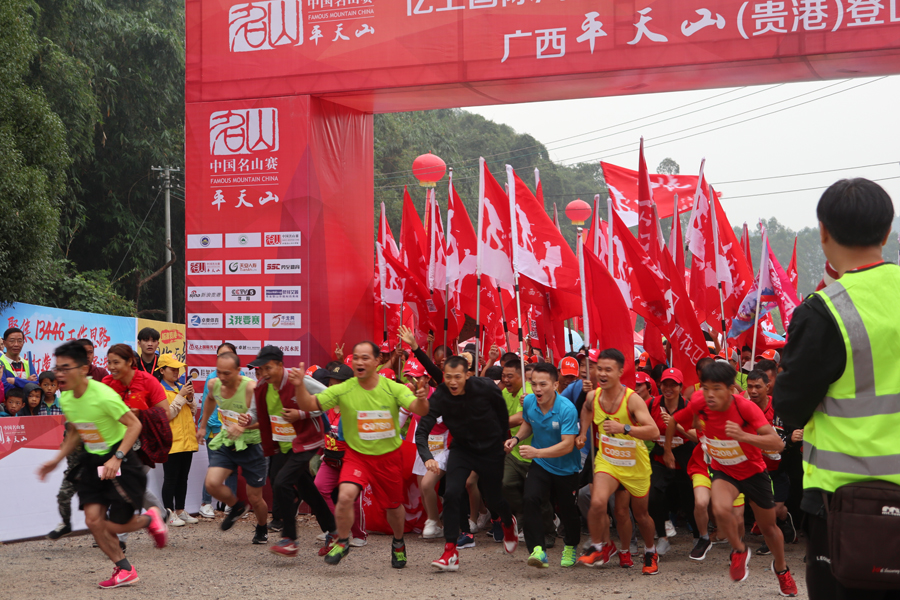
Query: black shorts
{"type": "Point", "coordinates": [124, 497]}
{"type": "Point", "coordinates": [756, 488]}
{"type": "Point", "coordinates": [781, 485]}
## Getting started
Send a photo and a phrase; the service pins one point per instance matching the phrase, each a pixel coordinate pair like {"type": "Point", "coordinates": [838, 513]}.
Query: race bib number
{"type": "Point", "coordinates": [676, 441]}
{"type": "Point", "coordinates": [282, 431]}
{"type": "Point", "coordinates": [725, 452]}
{"type": "Point", "coordinates": [619, 452]}
{"type": "Point", "coordinates": [375, 424]}
{"type": "Point", "coordinates": [436, 443]}
{"type": "Point", "coordinates": [229, 417]}
{"type": "Point", "coordinates": [91, 437]}
{"type": "Point", "coordinates": [773, 456]}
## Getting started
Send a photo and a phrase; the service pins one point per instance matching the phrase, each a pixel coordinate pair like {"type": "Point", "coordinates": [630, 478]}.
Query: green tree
{"type": "Point", "coordinates": [668, 167]}
{"type": "Point", "coordinates": [33, 159]}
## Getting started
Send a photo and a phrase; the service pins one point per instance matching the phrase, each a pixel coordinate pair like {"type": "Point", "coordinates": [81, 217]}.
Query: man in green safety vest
{"type": "Point", "coordinates": [841, 368]}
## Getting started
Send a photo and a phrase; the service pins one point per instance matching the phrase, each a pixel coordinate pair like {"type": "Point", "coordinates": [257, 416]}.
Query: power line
{"type": "Point", "coordinates": [726, 198]}
{"type": "Point", "coordinates": [133, 239]}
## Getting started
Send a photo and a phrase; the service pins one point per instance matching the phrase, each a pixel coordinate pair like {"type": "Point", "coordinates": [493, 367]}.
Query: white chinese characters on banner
{"type": "Point", "coordinates": [264, 25]}
{"type": "Point", "coordinates": [246, 131]}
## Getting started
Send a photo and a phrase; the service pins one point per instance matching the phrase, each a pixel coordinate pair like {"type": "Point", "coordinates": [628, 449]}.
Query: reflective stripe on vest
{"type": "Point", "coordinates": [850, 435]}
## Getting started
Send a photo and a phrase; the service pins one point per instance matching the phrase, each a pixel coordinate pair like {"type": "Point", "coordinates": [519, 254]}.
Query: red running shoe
{"type": "Point", "coordinates": [511, 537]}
{"type": "Point", "coordinates": [598, 558]}
{"type": "Point", "coordinates": [121, 578]}
{"type": "Point", "coordinates": [786, 584]}
{"type": "Point", "coordinates": [651, 563]}
{"type": "Point", "coordinates": [625, 560]}
{"type": "Point", "coordinates": [157, 527]}
{"type": "Point", "coordinates": [449, 560]}
{"type": "Point", "coordinates": [755, 530]}
{"type": "Point", "coordinates": [740, 564]}
{"type": "Point", "coordinates": [286, 547]}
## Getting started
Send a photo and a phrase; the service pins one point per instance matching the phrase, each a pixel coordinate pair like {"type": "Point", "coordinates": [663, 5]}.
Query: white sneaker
{"type": "Point", "coordinates": [662, 546]}
{"type": "Point", "coordinates": [521, 535]}
{"type": "Point", "coordinates": [227, 509]}
{"type": "Point", "coordinates": [432, 530]}
{"type": "Point", "coordinates": [187, 518]}
{"type": "Point", "coordinates": [172, 519]}
{"type": "Point", "coordinates": [207, 512]}
{"type": "Point", "coordinates": [633, 548]}
{"type": "Point", "coordinates": [321, 537]}
{"type": "Point", "coordinates": [670, 529]}
{"type": "Point", "coordinates": [357, 542]}
{"type": "Point", "coordinates": [473, 527]}
{"type": "Point", "coordinates": [483, 520]}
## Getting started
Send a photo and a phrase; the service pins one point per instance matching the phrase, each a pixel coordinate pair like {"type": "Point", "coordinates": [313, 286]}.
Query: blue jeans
{"type": "Point", "coordinates": [231, 482]}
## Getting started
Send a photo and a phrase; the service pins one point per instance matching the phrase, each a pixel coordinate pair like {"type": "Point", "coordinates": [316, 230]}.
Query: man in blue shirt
{"type": "Point", "coordinates": [555, 463]}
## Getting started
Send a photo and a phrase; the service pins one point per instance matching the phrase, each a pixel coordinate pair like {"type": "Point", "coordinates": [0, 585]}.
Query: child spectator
{"type": "Point", "coordinates": [15, 400]}
{"type": "Point", "coordinates": [33, 395]}
{"type": "Point", "coordinates": [50, 388]}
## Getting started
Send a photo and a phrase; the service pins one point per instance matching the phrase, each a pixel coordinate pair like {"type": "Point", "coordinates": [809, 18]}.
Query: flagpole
{"type": "Point", "coordinates": [503, 316]}
{"type": "Point", "coordinates": [381, 275]}
{"type": "Point", "coordinates": [596, 234]}
{"type": "Point", "coordinates": [609, 243]}
{"type": "Point", "coordinates": [478, 257]}
{"type": "Point", "coordinates": [515, 263]}
{"type": "Point", "coordinates": [762, 262]}
{"type": "Point", "coordinates": [715, 228]}
{"type": "Point", "coordinates": [584, 310]}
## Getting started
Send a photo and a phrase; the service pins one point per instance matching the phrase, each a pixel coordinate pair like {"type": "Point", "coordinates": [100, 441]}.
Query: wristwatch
{"type": "Point", "coordinates": [120, 455]}
{"type": "Point", "coordinates": [517, 439]}
{"type": "Point", "coordinates": [628, 430]}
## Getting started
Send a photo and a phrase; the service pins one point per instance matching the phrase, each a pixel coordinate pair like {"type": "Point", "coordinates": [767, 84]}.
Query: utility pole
{"type": "Point", "coordinates": [166, 179]}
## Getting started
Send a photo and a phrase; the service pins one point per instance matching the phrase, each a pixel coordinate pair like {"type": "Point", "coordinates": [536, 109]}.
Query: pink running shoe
{"type": "Point", "coordinates": [120, 578]}
{"type": "Point", "coordinates": [157, 527]}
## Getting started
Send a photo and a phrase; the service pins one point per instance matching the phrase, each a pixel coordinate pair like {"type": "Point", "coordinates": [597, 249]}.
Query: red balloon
{"type": "Point", "coordinates": [429, 169]}
{"type": "Point", "coordinates": [578, 211]}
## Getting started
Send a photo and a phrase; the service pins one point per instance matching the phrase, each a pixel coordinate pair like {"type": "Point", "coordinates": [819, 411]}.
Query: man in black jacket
{"type": "Point", "coordinates": [475, 413]}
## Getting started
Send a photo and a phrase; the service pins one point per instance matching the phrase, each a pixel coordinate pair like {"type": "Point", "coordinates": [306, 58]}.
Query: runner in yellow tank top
{"type": "Point", "coordinates": [622, 465]}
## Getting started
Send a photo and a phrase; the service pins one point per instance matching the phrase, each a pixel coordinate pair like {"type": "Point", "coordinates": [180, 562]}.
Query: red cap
{"type": "Point", "coordinates": [385, 347]}
{"type": "Point", "coordinates": [645, 356]}
{"type": "Point", "coordinates": [673, 374]}
{"type": "Point", "coordinates": [593, 356]}
{"type": "Point", "coordinates": [569, 366]}
{"type": "Point", "coordinates": [312, 369]}
{"type": "Point", "coordinates": [768, 355]}
{"type": "Point", "coordinates": [387, 373]}
{"type": "Point", "coordinates": [642, 377]}
{"type": "Point", "coordinates": [413, 368]}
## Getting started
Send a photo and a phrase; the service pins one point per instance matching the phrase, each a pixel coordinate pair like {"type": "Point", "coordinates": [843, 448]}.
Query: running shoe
{"type": "Point", "coordinates": [261, 537]}
{"type": "Point", "coordinates": [62, 530]}
{"type": "Point", "coordinates": [356, 542]}
{"type": "Point", "coordinates": [173, 519]}
{"type": "Point", "coordinates": [157, 527]}
{"type": "Point", "coordinates": [329, 542]}
{"type": "Point", "coordinates": [510, 537]}
{"type": "Point", "coordinates": [763, 550]}
{"type": "Point", "coordinates": [275, 525]}
{"type": "Point", "coordinates": [701, 549]}
{"type": "Point", "coordinates": [237, 511]}
{"type": "Point", "coordinates": [755, 530]}
{"type": "Point", "coordinates": [207, 512]}
{"type": "Point", "coordinates": [286, 547]}
{"type": "Point", "coordinates": [398, 556]}
{"type": "Point", "coordinates": [598, 558]}
{"type": "Point", "coordinates": [670, 529]}
{"type": "Point", "coordinates": [549, 541]}
{"type": "Point", "coordinates": [321, 536]}
{"type": "Point", "coordinates": [786, 584]}
{"type": "Point", "coordinates": [432, 530]}
{"type": "Point", "coordinates": [538, 558]}
{"type": "Point", "coordinates": [740, 564]}
{"type": "Point", "coordinates": [465, 540]}
{"type": "Point", "coordinates": [651, 563]}
{"type": "Point", "coordinates": [120, 578]}
{"type": "Point", "coordinates": [187, 518]}
{"type": "Point", "coordinates": [497, 530]}
{"type": "Point", "coordinates": [788, 529]}
{"type": "Point", "coordinates": [483, 520]}
{"type": "Point", "coordinates": [625, 560]}
{"type": "Point", "coordinates": [449, 560]}
{"type": "Point", "coordinates": [569, 557]}
{"type": "Point", "coordinates": [663, 545]}
{"type": "Point", "coordinates": [338, 551]}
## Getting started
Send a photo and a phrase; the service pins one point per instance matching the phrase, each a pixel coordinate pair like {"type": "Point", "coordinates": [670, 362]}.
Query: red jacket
{"type": "Point", "coordinates": [309, 429]}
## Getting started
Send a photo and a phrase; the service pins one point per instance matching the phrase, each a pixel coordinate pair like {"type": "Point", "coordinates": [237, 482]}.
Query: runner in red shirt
{"type": "Point", "coordinates": [734, 432]}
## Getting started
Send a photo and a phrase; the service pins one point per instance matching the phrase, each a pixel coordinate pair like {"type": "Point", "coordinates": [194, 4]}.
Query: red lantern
{"type": "Point", "coordinates": [429, 169]}
{"type": "Point", "coordinates": [578, 211]}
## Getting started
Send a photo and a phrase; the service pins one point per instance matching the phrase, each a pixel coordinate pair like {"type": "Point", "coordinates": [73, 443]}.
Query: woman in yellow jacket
{"type": "Point", "coordinates": [182, 409]}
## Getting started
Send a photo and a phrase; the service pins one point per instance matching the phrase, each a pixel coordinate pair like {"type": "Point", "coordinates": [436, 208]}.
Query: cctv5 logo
{"type": "Point", "coordinates": [264, 25]}
{"type": "Point", "coordinates": [245, 131]}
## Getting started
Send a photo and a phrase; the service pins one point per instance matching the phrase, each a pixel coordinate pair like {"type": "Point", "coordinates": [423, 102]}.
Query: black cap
{"type": "Point", "coordinates": [265, 355]}
{"type": "Point", "coordinates": [340, 372]}
{"type": "Point", "coordinates": [469, 348]}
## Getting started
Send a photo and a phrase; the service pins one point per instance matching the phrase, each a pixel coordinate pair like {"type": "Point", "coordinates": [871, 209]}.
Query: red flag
{"type": "Point", "coordinates": [792, 270]}
{"type": "Point", "coordinates": [647, 225]}
{"type": "Point", "coordinates": [664, 303]}
{"type": "Point", "coordinates": [609, 315]}
{"type": "Point", "coordinates": [388, 285]}
{"type": "Point", "coordinates": [437, 280]}
{"type": "Point", "coordinates": [745, 246]}
{"type": "Point", "coordinates": [494, 229]}
{"type": "Point", "coordinates": [413, 257]}
{"type": "Point", "coordinates": [704, 289]}
{"type": "Point", "coordinates": [732, 261]}
{"type": "Point", "coordinates": [623, 191]}
{"type": "Point", "coordinates": [676, 248]}
{"type": "Point", "coordinates": [597, 238]}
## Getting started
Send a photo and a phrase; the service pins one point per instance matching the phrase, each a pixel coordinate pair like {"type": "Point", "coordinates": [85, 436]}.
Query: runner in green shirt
{"type": "Point", "coordinates": [370, 406]}
{"type": "Point", "coordinates": [111, 479]}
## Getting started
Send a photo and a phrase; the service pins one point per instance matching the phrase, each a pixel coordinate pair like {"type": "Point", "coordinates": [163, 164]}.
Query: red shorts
{"type": "Point", "coordinates": [383, 472]}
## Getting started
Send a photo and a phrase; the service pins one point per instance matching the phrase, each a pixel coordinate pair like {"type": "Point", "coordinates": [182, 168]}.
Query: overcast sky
{"type": "Point", "coordinates": [821, 126]}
